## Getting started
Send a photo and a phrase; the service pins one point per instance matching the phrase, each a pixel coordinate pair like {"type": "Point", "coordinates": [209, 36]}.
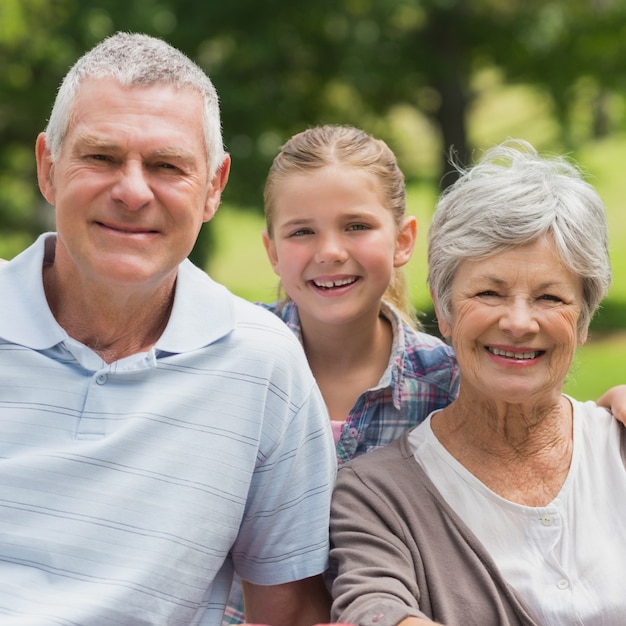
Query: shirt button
{"type": "Point", "coordinates": [562, 584]}
{"type": "Point", "coordinates": [547, 520]}
{"type": "Point", "coordinates": [101, 379]}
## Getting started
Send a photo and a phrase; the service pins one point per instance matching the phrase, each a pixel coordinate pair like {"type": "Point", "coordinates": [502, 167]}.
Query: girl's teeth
{"type": "Point", "coordinates": [334, 283]}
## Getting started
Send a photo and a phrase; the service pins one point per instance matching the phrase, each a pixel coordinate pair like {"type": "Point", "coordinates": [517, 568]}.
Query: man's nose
{"type": "Point", "coordinates": [132, 186]}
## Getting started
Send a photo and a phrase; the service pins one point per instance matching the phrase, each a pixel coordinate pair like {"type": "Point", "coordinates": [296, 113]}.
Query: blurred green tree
{"type": "Point", "coordinates": [281, 66]}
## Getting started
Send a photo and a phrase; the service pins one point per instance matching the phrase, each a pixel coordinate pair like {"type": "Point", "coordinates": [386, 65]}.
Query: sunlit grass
{"type": "Point", "coordinates": [239, 260]}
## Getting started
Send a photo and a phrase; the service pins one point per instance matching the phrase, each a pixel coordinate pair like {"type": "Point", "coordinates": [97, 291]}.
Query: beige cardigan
{"type": "Point", "coordinates": [402, 551]}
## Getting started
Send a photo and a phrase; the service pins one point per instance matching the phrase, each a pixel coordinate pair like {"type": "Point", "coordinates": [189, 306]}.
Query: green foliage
{"type": "Point", "coordinates": [419, 73]}
{"type": "Point", "coordinates": [281, 66]}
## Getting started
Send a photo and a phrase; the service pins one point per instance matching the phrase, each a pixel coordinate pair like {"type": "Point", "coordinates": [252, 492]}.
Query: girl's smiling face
{"type": "Point", "coordinates": [334, 243]}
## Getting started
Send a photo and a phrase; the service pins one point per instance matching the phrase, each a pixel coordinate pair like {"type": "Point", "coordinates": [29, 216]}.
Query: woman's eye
{"type": "Point", "coordinates": [488, 293]}
{"type": "Point", "coordinates": [550, 298]}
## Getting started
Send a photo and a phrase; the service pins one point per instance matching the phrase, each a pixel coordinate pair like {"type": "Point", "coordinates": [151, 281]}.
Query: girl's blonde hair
{"type": "Point", "coordinates": [324, 146]}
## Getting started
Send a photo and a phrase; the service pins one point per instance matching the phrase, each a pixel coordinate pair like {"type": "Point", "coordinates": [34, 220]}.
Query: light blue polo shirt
{"type": "Point", "coordinates": [128, 491]}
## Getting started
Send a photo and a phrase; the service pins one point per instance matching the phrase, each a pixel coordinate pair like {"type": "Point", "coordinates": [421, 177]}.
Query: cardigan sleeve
{"type": "Point", "coordinates": [375, 584]}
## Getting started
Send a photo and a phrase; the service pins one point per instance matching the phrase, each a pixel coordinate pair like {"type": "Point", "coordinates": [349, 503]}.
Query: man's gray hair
{"type": "Point", "coordinates": [137, 59]}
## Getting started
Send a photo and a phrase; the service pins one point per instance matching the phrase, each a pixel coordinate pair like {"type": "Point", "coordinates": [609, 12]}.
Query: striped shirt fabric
{"type": "Point", "coordinates": [130, 491]}
{"type": "Point", "coordinates": [422, 376]}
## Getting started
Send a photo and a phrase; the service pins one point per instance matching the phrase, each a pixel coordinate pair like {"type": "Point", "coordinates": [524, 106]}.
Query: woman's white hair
{"type": "Point", "coordinates": [512, 197]}
{"type": "Point", "coordinates": [137, 59]}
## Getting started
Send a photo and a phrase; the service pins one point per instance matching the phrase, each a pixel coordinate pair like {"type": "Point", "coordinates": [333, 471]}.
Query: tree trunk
{"type": "Point", "coordinates": [449, 75]}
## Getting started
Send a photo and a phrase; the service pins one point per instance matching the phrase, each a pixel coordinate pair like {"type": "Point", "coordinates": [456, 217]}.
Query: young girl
{"type": "Point", "coordinates": [338, 237]}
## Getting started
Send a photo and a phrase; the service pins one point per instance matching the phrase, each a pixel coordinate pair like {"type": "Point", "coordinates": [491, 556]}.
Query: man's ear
{"type": "Point", "coordinates": [45, 169]}
{"type": "Point", "coordinates": [214, 194]}
{"type": "Point", "coordinates": [270, 249]}
{"type": "Point", "coordinates": [405, 241]}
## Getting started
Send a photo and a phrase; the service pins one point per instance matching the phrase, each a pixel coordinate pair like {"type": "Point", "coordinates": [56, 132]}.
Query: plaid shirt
{"type": "Point", "coordinates": [422, 376]}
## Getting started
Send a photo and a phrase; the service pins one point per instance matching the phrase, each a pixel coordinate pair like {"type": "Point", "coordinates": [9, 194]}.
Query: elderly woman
{"type": "Point", "coordinates": [508, 506]}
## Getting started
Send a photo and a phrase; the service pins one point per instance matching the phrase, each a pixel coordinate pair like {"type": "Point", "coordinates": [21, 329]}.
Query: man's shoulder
{"type": "Point", "coordinates": [262, 316]}
{"type": "Point", "coordinates": [206, 312]}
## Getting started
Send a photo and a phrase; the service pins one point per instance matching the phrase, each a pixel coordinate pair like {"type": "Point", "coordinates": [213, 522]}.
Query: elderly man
{"type": "Point", "coordinates": [157, 433]}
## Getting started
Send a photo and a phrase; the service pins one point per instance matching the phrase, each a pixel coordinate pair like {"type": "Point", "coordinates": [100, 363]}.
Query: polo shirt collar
{"type": "Point", "coordinates": [203, 310]}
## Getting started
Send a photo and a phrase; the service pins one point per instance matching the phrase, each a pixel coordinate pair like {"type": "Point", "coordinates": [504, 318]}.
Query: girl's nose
{"type": "Point", "coordinates": [330, 250]}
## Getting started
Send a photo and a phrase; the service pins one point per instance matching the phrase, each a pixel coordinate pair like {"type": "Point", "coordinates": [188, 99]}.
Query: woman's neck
{"type": "Point", "coordinates": [523, 453]}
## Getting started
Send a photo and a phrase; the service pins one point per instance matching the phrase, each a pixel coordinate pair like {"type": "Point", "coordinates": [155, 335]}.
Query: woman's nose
{"type": "Point", "coordinates": [519, 317]}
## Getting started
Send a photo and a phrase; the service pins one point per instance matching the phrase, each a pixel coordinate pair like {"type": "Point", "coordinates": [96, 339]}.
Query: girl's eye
{"type": "Point", "coordinates": [357, 227]}
{"type": "Point", "coordinates": [300, 232]}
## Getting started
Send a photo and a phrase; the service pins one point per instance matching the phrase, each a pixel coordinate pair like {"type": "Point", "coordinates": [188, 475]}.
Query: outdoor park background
{"type": "Point", "coordinates": [422, 74]}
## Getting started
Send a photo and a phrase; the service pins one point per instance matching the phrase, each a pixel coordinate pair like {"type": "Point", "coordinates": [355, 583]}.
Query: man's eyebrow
{"type": "Point", "coordinates": [102, 143]}
{"type": "Point", "coordinates": [93, 141]}
{"type": "Point", "coordinates": [173, 153]}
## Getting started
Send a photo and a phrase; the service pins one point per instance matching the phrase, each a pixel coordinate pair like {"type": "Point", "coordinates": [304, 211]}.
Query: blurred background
{"type": "Point", "coordinates": [428, 76]}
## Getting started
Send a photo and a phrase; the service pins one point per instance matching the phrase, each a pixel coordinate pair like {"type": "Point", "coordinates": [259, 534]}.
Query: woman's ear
{"type": "Point", "coordinates": [405, 241]}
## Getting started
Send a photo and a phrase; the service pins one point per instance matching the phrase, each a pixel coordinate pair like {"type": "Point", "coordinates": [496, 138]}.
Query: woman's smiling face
{"type": "Point", "coordinates": [514, 322]}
